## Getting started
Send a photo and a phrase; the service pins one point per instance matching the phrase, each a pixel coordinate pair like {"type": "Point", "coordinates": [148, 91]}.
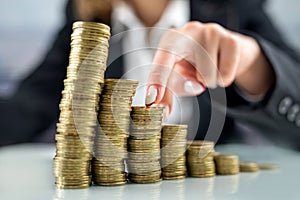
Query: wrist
{"type": "Point", "coordinates": [258, 76]}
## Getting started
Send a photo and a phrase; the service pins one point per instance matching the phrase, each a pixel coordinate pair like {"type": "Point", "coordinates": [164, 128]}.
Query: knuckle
{"type": "Point", "coordinates": [214, 29]}
{"type": "Point", "coordinates": [192, 25]}
{"type": "Point", "coordinates": [227, 81]}
{"type": "Point", "coordinates": [232, 42]}
{"type": "Point", "coordinates": [227, 76]}
{"type": "Point", "coordinates": [211, 32]}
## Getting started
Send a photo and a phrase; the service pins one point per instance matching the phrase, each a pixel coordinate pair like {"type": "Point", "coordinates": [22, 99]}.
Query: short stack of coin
{"type": "Point", "coordinates": [249, 167]}
{"type": "Point", "coordinates": [79, 103]}
{"type": "Point", "coordinates": [200, 159]}
{"type": "Point", "coordinates": [108, 167]}
{"type": "Point", "coordinates": [227, 164]}
{"type": "Point", "coordinates": [144, 145]}
{"type": "Point", "coordinates": [173, 147]}
{"type": "Point", "coordinates": [267, 166]}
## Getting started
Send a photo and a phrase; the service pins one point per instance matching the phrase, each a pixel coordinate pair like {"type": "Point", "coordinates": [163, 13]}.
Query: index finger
{"type": "Point", "coordinates": [162, 67]}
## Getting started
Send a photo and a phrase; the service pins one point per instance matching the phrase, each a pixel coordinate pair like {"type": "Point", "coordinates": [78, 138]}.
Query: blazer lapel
{"type": "Point", "coordinates": [218, 11]}
{"type": "Point", "coordinates": [115, 59]}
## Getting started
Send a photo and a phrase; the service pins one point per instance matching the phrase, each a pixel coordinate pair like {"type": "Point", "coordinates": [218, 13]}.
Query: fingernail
{"type": "Point", "coordinates": [193, 87]}
{"type": "Point", "coordinates": [151, 95]}
{"type": "Point", "coordinates": [165, 114]}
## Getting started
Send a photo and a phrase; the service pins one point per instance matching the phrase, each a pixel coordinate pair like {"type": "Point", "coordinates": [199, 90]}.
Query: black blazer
{"type": "Point", "coordinates": [276, 119]}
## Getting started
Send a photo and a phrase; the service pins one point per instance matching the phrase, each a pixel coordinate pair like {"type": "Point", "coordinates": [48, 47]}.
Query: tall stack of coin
{"type": "Point", "coordinates": [173, 147]}
{"type": "Point", "coordinates": [79, 104]}
{"type": "Point", "coordinates": [200, 160]}
{"type": "Point", "coordinates": [227, 164]}
{"type": "Point", "coordinates": [144, 145]}
{"type": "Point", "coordinates": [108, 167]}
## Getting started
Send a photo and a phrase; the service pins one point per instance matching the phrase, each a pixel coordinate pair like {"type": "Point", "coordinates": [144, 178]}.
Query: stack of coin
{"type": "Point", "coordinates": [108, 167]}
{"type": "Point", "coordinates": [267, 166]}
{"type": "Point", "coordinates": [227, 164]}
{"type": "Point", "coordinates": [79, 104]}
{"type": "Point", "coordinates": [173, 147]}
{"type": "Point", "coordinates": [249, 167]}
{"type": "Point", "coordinates": [144, 145]}
{"type": "Point", "coordinates": [200, 159]}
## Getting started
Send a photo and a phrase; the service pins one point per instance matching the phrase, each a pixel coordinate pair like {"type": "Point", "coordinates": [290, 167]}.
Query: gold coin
{"type": "Point", "coordinates": [111, 183]}
{"type": "Point", "coordinates": [62, 186]}
{"type": "Point", "coordinates": [227, 164]}
{"type": "Point", "coordinates": [174, 177]}
{"type": "Point", "coordinates": [249, 167]}
{"type": "Point", "coordinates": [267, 166]}
{"type": "Point", "coordinates": [114, 113]}
{"type": "Point", "coordinates": [145, 181]}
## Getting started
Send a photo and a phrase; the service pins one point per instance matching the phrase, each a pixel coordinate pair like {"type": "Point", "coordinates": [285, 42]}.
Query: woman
{"type": "Point", "coordinates": [259, 78]}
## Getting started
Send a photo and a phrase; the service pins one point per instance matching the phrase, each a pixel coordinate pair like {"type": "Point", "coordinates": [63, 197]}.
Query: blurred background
{"type": "Point", "coordinates": [27, 29]}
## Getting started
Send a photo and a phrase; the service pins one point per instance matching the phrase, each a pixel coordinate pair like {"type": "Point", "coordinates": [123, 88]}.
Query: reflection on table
{"type": "Point", "coordinates": [26, 173]}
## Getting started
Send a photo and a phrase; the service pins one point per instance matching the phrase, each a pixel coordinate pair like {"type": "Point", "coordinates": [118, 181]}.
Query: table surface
{"type": "Point", "coordinates": [26, 173]}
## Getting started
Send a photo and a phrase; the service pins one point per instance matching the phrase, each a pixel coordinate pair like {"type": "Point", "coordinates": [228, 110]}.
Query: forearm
{"type": "Point", "coordinates": [271, 113]}
{"type": "Point", "coordinates": [20, 122]}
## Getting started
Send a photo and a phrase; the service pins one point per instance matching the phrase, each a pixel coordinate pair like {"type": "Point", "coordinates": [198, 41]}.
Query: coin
{"type": "Point", "coordinates": [144, 145]}
{"type": "Point", "coordinates": [79, 105]}
{"type": "Point", "coordinates": [173, 144]}
{"type": "Point", "coordinates": [111, 139]}
{"type": "Point", "coordinates": [227, 164]}
{"type": "Point", "coordinates": [151, 177]}
{"type": "Point", "coordinates": [200, 160]}
{"type": "Point", "coordinates": [178, 177]}
{"type": "Point", "coordinates": [267, 166]}
{"type": "Point", "coordinates": [249, 167]}
{"type": "Point", "coordinates": [73, 186]}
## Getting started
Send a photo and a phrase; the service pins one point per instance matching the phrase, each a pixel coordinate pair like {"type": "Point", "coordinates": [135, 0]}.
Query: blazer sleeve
{"type": "Point", "coordinates": [279, 112]}
{"type": "Point", "coordinates": [34, 106]}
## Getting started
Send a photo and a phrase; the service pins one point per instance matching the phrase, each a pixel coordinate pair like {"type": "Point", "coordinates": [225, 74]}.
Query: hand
{"type": "Point", "coordinates": [200, 56]}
